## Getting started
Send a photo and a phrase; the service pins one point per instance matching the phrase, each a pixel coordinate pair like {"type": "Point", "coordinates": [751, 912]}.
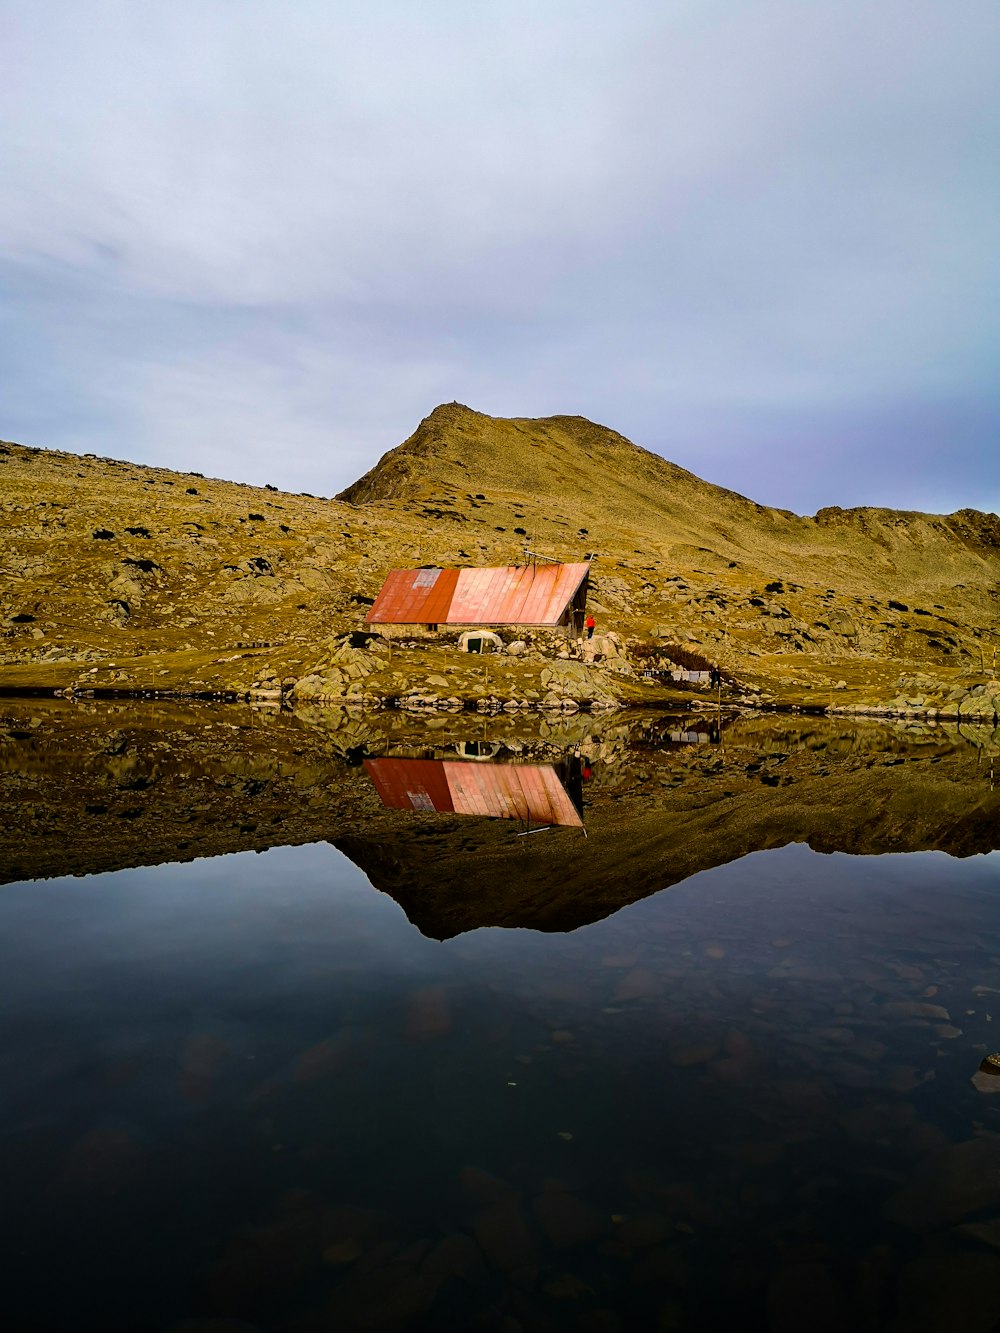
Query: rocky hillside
{"type": "Point", "coordinates": [564, 468]}
{"type": "Point", "coordinates": [122, 576]}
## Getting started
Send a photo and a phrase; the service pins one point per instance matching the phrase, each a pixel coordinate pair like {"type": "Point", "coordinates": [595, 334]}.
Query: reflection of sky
{"type": "Point", "coordinates": [194, 1052]}
{"type": "Point", "coordinates": [211, 926]}
{"type": "Point", "coordinates": [238, 971]}
{"type": "Point", "coordinates": [264, 240]}
{"type": "Point", "coordinates": [269, 927]}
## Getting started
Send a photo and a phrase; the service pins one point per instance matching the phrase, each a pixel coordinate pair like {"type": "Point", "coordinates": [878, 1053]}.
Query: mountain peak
{"type": "Point", "coordinates": [569, 458]}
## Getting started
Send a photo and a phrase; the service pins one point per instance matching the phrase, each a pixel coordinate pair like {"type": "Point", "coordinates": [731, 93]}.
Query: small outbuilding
{"type": "Point", "coordinates": [479, 641]}
{"type": "Point", "coordinates": [543, 595]}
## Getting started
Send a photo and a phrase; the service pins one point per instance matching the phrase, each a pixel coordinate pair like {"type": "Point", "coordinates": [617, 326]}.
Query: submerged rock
{"type": "Point", "coordinates": [505, 1234]}
{"type": "Point", "coordinates": [950, 1185]}
{"type": "Point", "coordinates": [565, 1219]}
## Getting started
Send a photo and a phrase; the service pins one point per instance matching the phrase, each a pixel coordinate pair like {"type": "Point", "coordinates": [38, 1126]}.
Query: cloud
{"type": "Point", "coordinates": [743, 235]}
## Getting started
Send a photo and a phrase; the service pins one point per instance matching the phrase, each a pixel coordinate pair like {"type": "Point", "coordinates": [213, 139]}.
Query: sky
{"type": "Point", "coordinates": [262, 240]}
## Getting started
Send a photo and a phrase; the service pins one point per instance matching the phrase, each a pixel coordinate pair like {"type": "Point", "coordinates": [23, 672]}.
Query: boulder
{"type": "Point", "coordinates": [978, 704]}
{"type": "Point", "coordinates": [607, 645]}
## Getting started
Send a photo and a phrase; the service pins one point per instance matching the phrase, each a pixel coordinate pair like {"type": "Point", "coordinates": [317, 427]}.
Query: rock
{"type": "Point", "coordinates": [427, 1015]}
{"type": "Point", "coordinates": [977, 705]}
{"type": "Point", "coordinates": [948, 1287]}
{"type": "Point", "coordinates": [214, 1326]}
{"type": "Point", "coordinates": [386, 1298]}
{"type": "Point", "coordinates": [565, 1219]}
{"type": "Point", "coordinates": [341, 1252]}
{"type": "Point", "coordinates": [689, 1054]}
{"type": "Point", "coordinates": [204, 1057]}
{"type": "Point", "coordinates": [103, 1159]}
{"type": "Point", "coordinates": [807, 1296]}
{"type": "Point", "coordinates": [484, 1186]}
{"type": "Point", "coordinates": [915, 1009]}
{"type": "Point", "coordinates": [269, 1259]}
{"type": "Point", "coordinates": [639, 1231]}
{"type": "Point", "coordinates": [601, 1320]}
{"type": "Point", "coordinates": [566, 1287]}
{"type": "Point", "coordinates": [504, 1233]}
{"type": "Point", "coordinates": [604, 644]}
{"type": "Point", "coordinates": [950, 1185]}
{"type": "Point", "coordinates": [325, 1058]}
{"type": "Point", "coordinates": [639, 984]}
{"type": "Point", "coordinates": [986, 1233]}
{"type": "Point", "coordinates": [663, 1265]}
{"type": "Point", "coordinates": [456, 1255]}
{"type": "Point", "coordinates": [315, 686]}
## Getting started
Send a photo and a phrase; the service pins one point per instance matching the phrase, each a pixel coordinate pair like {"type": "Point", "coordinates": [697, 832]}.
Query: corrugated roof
{"type": "Point", "coordinates": [414, 597]}
{"type": "Point", "coordinates": [532, 793]}
{"type": "Point", "coordinates": [509, 595]}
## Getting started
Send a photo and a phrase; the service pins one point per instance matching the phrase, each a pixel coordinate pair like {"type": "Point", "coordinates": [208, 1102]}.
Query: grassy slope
{"type": "Point", "coordinates": [676, 555]}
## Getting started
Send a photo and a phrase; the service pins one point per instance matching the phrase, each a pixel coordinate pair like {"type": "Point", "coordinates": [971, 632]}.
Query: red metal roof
{"type": "Point", "coordinates": [414, 597]}
{"type": "Point", "coordinates": [511, 595]}
{"type": "Point", "coordinates": [528, 792]}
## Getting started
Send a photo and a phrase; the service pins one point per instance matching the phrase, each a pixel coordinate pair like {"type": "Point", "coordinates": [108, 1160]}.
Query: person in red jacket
{"type": "Point", "coordinates": [590, 622]}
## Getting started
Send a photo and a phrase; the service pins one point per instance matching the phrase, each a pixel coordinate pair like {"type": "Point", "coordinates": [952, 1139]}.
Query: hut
{"type": "Point", "coordinates": [538, 595]}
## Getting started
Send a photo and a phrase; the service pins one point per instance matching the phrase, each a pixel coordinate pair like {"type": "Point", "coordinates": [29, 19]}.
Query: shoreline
{"type": "Point", "coordinates": [419, 704]}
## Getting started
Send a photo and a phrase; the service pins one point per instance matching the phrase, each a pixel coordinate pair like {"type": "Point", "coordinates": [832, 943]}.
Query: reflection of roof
{"type": "Point", "coordinates": [512, 595]}
{"type": "Point", "coordinates": [411, 784]}
{"type": "Point", "coordinates": [529, 792]}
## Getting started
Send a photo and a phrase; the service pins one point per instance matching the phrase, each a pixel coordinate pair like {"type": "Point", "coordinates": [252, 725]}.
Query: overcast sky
{"type": "Point", "coordinates": [263, 239]}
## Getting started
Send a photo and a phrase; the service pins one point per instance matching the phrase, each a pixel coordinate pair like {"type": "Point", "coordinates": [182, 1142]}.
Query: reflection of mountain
{"type": "Point", "coordinates": [529, 793]}
{"type": "Point", "coordinates": [125, 785]}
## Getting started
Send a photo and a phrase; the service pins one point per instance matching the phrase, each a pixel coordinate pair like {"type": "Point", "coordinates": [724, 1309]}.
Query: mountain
{"type": "Point", "coordinates": [583, 470]}
{"type": "Point", "coordinates": [123, 576]}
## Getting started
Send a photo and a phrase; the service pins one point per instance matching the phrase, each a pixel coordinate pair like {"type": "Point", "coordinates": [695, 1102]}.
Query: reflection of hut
{"type": "Point", "coordinates": [530, 793]}
{"type": "Point", "coordinates": [544, 595]}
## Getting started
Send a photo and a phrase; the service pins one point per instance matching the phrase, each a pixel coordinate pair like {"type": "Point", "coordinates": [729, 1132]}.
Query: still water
{"type": "Point", "coordinates": [244, 1091]}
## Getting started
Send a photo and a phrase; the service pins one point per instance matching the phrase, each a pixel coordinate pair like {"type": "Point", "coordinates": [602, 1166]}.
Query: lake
{"type": "Point", "coordinates": [326, 1022]}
